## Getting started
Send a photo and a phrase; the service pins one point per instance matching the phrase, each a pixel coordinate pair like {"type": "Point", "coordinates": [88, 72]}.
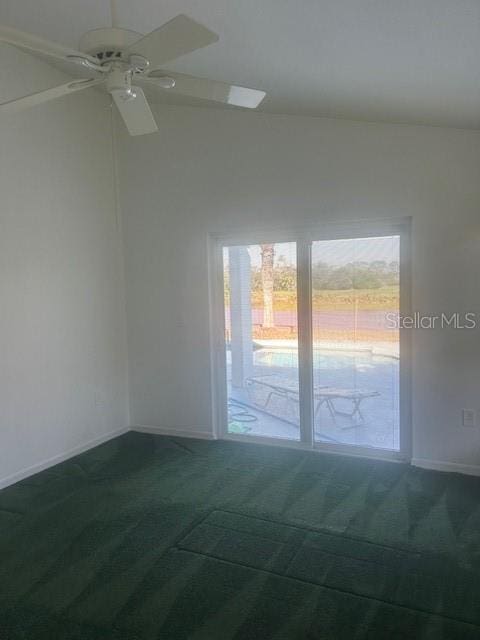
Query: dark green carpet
{"type": "Point", "coordinates": [148, 537]}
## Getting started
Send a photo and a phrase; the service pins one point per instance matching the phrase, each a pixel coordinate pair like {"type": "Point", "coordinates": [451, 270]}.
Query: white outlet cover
{"type": "Point", "coordinates": [469, 418]}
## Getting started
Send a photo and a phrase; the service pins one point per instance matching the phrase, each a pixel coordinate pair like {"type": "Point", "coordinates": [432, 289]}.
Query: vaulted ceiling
{"type": "Point", "coordinates": [388, 60]}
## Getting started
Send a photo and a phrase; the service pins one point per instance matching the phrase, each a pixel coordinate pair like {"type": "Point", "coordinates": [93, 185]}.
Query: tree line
{"type": "Point", "coordinates": [276, 274]}
{"type": "Point", "coordinates": [354, 275]}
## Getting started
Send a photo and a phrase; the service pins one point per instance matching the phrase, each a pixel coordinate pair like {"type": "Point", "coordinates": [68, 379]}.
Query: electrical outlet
{"type": "Point", "coordinates": [98, 399]}
{"type": "Point", "coordinates": [469, 418]}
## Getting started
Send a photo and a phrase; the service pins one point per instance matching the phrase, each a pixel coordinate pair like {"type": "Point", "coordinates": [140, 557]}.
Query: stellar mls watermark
{"type": "Point", "coordinates": [418, 320]}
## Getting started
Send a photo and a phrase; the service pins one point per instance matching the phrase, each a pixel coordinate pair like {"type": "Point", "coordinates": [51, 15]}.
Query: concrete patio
{"type": "Point", "coordinates": [279, 418]}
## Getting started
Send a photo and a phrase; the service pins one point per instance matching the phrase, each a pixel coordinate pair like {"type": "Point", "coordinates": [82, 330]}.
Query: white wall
{"type": "Point", "coordinates": [62, 325]}
{"type": "Point", "coordinates": [221, 171]}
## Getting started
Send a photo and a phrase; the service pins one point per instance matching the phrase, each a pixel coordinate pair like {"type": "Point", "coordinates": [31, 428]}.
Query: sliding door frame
{"type": "Point", "coordinates": [304, 237]}
{"type": "Point", "coordinates": [305, 351]}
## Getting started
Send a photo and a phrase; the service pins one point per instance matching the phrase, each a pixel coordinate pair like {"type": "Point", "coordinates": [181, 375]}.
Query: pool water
{"type": "Point", "coordinates": [322, 359]}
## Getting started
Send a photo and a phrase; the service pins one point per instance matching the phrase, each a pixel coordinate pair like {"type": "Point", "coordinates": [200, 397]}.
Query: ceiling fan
{"type": "Point", "coordinates": [124, 61]}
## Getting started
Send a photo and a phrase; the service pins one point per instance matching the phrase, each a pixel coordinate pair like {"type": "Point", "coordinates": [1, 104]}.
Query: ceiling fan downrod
{"type": "Point", "coordinates": [114, 14]}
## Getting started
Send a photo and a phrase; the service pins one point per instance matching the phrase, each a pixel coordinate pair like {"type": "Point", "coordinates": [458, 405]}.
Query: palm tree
{"type": "Point", "coordinates": [268, 252]}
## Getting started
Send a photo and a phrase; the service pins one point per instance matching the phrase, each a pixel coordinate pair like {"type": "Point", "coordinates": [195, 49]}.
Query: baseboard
{"type": "Point", "coordinates": [179, 433]}
{"type": "Point", "coordinates": [424, 463]}
{"type": "Point", "coordinates": [452, 467]}
{"type": "Point", "coordinates": [61, 457]}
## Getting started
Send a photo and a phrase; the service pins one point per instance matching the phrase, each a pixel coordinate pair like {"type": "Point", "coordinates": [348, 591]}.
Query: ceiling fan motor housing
{"type": "Point", "coordinates": [108, 44]}
{"type": "Point", "coordinates": [120, 80]}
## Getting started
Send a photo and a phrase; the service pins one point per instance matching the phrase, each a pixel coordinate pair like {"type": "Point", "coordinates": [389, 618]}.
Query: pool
{"type": "Point", "coordinates": [322, 359]}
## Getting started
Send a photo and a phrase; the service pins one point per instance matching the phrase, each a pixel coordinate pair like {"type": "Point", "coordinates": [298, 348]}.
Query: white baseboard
{"type": "Point", "coordinates": [452, 467]}
{"type": "Point", "coordinates": [179, 433]}
{"type": "Point", "coordinates": [424, 463]}
{"type": "Point", "coordinates": [61, 457]}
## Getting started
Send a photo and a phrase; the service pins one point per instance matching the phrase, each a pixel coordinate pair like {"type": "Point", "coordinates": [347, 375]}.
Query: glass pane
{"type": "Point", "coordinates": [262, 340]}
{"type": "Point", "coordinates": [355, 301]}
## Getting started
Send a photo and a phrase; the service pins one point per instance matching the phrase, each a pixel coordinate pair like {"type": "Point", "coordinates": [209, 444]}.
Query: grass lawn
{"type": "Point", "coordinates": [383, 299]}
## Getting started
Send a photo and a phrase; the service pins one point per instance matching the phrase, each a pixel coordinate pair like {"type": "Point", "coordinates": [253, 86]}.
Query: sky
{"type": "Point", "coordinates": [337, 252]}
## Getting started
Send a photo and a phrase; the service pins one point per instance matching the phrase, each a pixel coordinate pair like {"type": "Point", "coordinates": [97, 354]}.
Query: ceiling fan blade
{"type": "Point", "coordinates": [50, 51]}
{"type": "Point", "coordinates": [135, 111]}
{"type": "Point", "coordinates": [49, 94]}
{"type": "Point", "coordinates": [207, 89]}
{"type": "Point", "coordinates": [175, 38]}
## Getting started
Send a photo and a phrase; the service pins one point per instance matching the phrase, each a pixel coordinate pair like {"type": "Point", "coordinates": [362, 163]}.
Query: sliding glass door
{"type": "Point", "coordinates": [261, 340]}
{"type": "Point", "coordinates": [311, 348]}
{"type": "Point", "coordinates": [356, 347]}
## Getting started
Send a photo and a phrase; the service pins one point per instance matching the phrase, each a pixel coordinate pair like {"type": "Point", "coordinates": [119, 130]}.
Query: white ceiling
{"type": "Point", "coordinates": [391, 60]}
